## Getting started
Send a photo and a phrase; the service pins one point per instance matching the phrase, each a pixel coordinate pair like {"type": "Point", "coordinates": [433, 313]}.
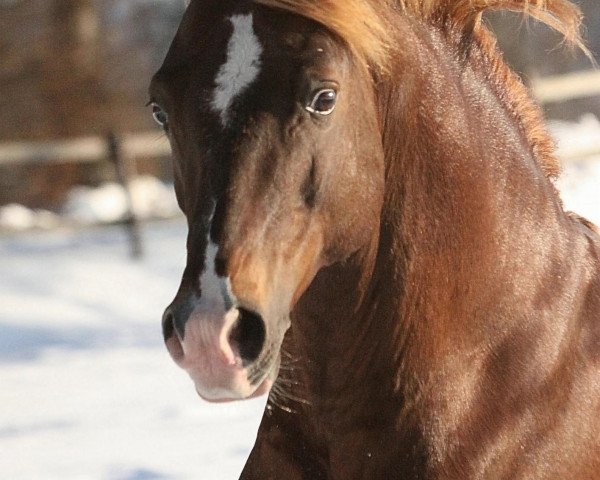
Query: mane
{"type": "Point", "coordinates": [365, 25]}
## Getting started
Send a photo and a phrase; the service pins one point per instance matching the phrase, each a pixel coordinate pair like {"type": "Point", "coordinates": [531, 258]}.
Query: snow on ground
{"type": "Point", "coordinates": [87, 390]}
{"type": "Point", "coordinates": [149, 198]}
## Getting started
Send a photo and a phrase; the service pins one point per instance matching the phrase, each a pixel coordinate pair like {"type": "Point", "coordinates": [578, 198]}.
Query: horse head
{"type": "Point", "coordinates": [279, 171]}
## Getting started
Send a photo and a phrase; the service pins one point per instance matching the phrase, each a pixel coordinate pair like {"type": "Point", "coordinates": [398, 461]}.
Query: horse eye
{"type": "Point", "coordinates": [159, 115]}
{"type": "Point", "coordinates": [323, 102]}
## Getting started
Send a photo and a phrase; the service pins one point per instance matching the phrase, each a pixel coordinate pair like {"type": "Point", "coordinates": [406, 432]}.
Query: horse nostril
{"type": "Point", "coordinates": [172, 340]}
{"type": "Point", "coordinates": [168, 327]}
{"type": "Point", "coordinates": [248, 335]}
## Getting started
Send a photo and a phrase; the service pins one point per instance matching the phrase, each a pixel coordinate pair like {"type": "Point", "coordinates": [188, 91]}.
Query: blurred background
{"type": "Point", "coordinates": [92, 244]}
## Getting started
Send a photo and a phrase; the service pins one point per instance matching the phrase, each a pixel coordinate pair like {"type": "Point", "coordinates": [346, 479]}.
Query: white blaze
{"type": "Point", "coordinates": [240, 69]}
{"type": "Point", "coordinates": [212, 298]}
{"type": "Point", "coordinates": [216, 295]}
{"type": "Point", "coordinates": [216, 291]}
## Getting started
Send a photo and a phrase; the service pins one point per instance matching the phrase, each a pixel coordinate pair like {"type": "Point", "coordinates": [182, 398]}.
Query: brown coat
{"type": "Point", "coordinates": [402, 268]}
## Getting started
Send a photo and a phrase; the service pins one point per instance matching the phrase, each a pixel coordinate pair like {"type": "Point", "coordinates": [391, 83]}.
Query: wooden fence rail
{"type": "Point", "coordinates": [83, 150]}
{"type": "Point", "coordinates": [565, 87]}
{"type": "Point", "coordinates": [120, 151]}
{"type": "Point", "coordinates": [154, 144]}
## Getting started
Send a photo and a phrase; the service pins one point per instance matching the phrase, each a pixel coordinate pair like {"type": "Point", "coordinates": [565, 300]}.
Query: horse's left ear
{"type": "Point", "coordinates": [471, 25]}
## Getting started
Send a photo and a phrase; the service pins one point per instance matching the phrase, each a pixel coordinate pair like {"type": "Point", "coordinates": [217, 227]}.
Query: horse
{"type": "Point", "coordinates": [375, 240]}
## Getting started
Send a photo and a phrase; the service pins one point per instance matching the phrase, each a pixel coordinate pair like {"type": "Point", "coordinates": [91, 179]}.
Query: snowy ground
{"type": "Point", "coordinates": [87, 390]}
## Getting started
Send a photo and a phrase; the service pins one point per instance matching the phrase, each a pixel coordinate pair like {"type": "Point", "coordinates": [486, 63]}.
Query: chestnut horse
{"type": "Point", "coordinates": [375, 239]}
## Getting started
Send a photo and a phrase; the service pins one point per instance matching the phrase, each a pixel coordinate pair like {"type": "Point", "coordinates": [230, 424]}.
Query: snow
{"type": "Point", "coordinates": [17, 217]}
{"type": "Point", "coordinates": [108, 203]}
{"type": "Point", "coordinates": [150, 198]}
{"type": "Point", "coordinates": [86, 386]}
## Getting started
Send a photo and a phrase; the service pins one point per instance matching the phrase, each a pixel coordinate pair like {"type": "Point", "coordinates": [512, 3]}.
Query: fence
{"type": "Point", "coordinates": [122, 151]}
{"type": "Point", "coordinates": [151, 144]}
{"type": "Point", "coordinates": [562, 88]}
{"type": "Point", "coordinates": [84, 150]}
{"type": "Point", "coordinates": [570, 86]}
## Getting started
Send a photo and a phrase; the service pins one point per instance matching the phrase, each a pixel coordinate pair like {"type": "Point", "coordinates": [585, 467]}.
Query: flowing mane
{"type": "Point", "coordinates": [365, 25]}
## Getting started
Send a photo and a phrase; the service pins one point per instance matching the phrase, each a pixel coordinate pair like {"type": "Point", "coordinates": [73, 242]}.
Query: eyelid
{"type": "Point", "coordinates": [315, 97]}
{"type": "Point", "coordinates": [158, 110]}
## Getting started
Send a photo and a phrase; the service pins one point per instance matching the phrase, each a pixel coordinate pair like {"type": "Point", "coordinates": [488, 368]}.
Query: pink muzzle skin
{"type": "Point", "coordinates": [212, 360]}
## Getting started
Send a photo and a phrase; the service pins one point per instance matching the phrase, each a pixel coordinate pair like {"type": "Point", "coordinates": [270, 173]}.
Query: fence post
{"type": "Point", "coordinates": [125, 169]}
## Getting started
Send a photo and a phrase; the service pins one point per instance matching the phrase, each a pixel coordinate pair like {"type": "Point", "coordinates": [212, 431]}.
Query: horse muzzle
{"type": "Point", "coordinates": [224, 352]}
{"type": "Point", "coordinates": [227, 329]}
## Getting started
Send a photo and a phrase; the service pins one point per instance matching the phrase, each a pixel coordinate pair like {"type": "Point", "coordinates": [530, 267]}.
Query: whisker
{"type": "Point", "coordinates": [295, 398]}
{"type": "Point", "coordinates": [288, 381]}
{"type": "Point", "coordinates": [282, 388]}
{"type": "Point", "coordinates": [288, 368]}
{"type": "Point", "coordinates": [275, 398]}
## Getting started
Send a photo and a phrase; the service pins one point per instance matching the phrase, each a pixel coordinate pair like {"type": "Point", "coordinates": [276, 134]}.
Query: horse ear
{"type": "Point", "coordinates": [471, 25]}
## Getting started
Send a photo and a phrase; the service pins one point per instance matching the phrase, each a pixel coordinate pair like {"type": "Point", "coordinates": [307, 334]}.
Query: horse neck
{"type": "Point", "coordinates": [467, 202]}
{"type": "Point", "coordinates": [466, 205]}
